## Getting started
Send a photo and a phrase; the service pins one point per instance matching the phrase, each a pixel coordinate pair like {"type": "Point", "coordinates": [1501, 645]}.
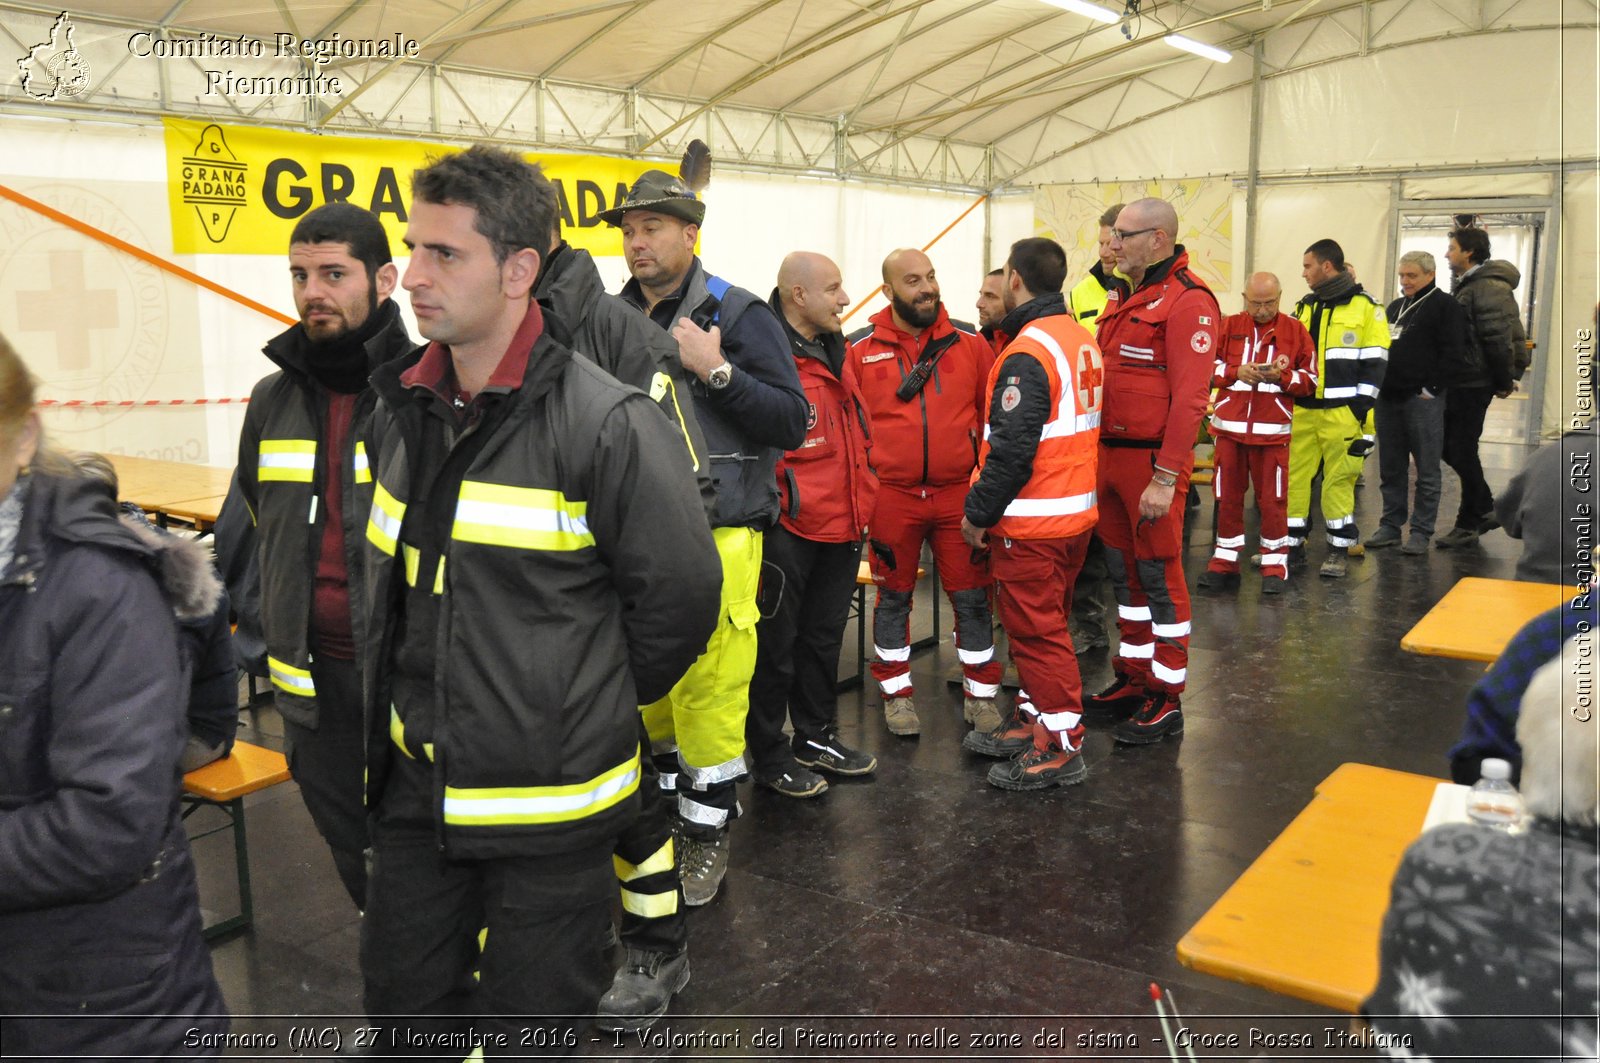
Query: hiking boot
{"type": "Point", "coordinates": [1009, 738]}
{"type": "Point", "coordinates": [1297, 557]}
{"type": "Point", "coordinates": [1456, 538]}
{"type": "Point", "coordinates": [796, 782]}
{"type": "Point", "coordinates": [1160, 716]}
{"type": "Point", "coordinates": [1415, 546]}
{"type": "Point", "coordinates": [1116, 702]}
{"type": "Point", "coordinates": [1274, 584]}
{"type": "Point", "coordinates": [1040, 769]}
{"type": "Point", "coordinates": [1332, 568]}
{"type": "Point", "coordinates": [1355, 550]}
{"type": "Point", "coordinates": [642, 989]}
{"type": "Point", "coordinates": [834, 757]}
{"type": "Point", "coordinates": [702, 865]}
{"type": "Point", "coordinates": [1211, 580]}
{"type": "Point", "coordinates": [981, 713]}
{"type": "Point", "coordinates": [901, 716]}
{"type": "Point", "coordinates": [1384, 536]}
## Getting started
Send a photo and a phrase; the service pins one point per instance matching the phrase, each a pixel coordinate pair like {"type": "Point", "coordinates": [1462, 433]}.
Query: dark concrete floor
{"type": "Point", "coordinates": [923, 899]}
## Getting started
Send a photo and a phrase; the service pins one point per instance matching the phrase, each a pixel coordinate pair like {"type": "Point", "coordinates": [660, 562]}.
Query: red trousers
{"type": "Point", "coordinates": [1033, 592]}
{"type": "Point", "coordinates": [1146, 565]}
{"type": "Point", "coordinates": [903, 520]}
{"type": "Point", "coordinates": [1266, 469]}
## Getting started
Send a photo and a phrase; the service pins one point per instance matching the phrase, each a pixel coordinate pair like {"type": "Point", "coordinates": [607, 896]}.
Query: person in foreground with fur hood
{"type": "Point", "coordinates": [201, 605]}
{"type": "Point", "coordinates": [99, 917]}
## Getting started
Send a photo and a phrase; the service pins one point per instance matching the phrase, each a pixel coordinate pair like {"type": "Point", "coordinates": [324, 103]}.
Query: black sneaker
{"type": "Point", "coordinates": [796, 782]}
{"type": "Point", "coordinates": [1488, 524]}
{"type": "Point", "coordinates": [1161, 716]}
{"type": "Point", "coordinates": [1211, 580]}
{"type": "Point", "coordinates": [1116, 702]}
{"type": "Point", "coordinates": [1386, 535]}
{"type": "Point", "coordinates": [1456, 538]}
{"type": "Point", "coordinates": [834, 757]}
{"type": "Point", "coordinates": [642, 989]}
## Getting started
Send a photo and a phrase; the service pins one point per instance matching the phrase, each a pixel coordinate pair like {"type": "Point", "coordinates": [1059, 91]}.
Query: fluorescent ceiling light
{"type": "Point", "coordinates": [1087, 10]}
{"type": "Point", "coordinates": [1204, 51]}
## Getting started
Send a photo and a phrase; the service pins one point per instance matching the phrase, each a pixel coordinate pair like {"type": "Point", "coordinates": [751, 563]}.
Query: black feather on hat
{"type": "Point", "coordinates": [663, 193]}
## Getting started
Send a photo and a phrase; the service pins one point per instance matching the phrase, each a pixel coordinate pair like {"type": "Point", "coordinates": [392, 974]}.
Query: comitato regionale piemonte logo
{"type": "Point", "coordinates": [55, 69]}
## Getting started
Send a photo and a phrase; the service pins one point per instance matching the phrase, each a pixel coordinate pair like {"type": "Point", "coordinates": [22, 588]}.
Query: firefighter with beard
{"type": "Point", "coordinates": [303, 475]}
{"type": "Point", "coordinates": [923, 377]}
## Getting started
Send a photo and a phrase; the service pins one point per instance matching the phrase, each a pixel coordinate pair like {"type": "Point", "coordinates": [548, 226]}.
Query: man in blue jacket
{"type": "Point", "coordinates": [748, 400]}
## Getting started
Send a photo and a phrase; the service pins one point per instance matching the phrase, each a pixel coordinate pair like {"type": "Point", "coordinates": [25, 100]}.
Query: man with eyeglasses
{"type": "Point", "coordinates": [1159, 340]}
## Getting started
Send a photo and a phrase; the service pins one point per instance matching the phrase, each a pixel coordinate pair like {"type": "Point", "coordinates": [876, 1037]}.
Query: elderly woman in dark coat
{"type": "Point", "coordinates": [99, 919]}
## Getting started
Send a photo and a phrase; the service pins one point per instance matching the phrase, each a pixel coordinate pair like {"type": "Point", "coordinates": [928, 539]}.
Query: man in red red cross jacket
{"type": "Point", "coordinates": [1159, 341]}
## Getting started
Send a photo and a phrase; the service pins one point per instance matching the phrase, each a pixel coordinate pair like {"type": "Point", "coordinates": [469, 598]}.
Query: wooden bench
{"type": "Point", "coordinates": [224, 784]}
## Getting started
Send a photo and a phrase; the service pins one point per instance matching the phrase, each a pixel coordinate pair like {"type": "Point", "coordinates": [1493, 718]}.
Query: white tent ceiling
{"type": "Point", "coordinates": [944, 92]}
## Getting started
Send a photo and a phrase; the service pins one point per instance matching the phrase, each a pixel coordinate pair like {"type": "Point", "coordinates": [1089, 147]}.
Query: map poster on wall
{"type": "Point", "coordinates": [1069, 214]}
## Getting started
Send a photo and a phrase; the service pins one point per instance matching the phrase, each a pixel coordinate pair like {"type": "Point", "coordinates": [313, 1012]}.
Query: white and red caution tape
{"type": "Point", "coordinates": [100, 403]}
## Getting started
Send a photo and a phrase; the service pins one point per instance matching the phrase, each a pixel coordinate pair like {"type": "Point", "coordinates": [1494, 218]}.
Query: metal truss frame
{"type": "Point", "coordinates": [445, 101]}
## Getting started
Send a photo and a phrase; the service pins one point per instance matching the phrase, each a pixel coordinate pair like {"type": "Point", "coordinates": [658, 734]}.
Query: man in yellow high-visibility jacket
{"type": "Point", "coordinates": [1331, 427]}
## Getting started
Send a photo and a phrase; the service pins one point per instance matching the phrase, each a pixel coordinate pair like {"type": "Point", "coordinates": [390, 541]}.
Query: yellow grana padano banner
{"type": "Point", "coordinates": [239, 190]}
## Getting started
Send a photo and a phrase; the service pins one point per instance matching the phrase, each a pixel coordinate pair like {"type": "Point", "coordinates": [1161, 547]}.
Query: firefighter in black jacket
{"type": "Point", "coordinates": [521, 610]}
{"type": "Point", "coordinates": [303, 473]}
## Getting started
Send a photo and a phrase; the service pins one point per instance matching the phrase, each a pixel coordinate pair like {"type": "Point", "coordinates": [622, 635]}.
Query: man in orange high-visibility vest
{"type": "Point", "coordinates": [1033, 502]}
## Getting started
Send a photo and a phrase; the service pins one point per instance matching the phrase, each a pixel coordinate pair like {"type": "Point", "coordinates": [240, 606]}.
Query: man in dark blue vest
{"type": "Point", "coordinates": [751, 408]}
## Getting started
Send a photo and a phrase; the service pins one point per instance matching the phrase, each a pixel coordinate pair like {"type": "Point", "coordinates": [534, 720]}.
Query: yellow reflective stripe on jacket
{"type": "Point", "coordinates": [660, 387]}
{"type": "Point", "coordinates": [413, 561]}
{"type": "Point", "coordinates": [507, 805]}
{"type": "Point", "coordinates": [524, 518]}
{"type": "Point", "coordinates": [287, 460]}
{"type": "Point", "coordinates": [359, 464]}
{"type": "Point", "coordinates": [383, 526]}
{"type": "Point", "coordinates": [288, 678]}
{"type": "Point", "coordinates": [397, 735]}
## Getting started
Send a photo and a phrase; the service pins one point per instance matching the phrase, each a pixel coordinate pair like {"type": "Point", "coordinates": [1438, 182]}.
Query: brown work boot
{"type": "Point", "coordinates": [901, 716]}
{"type": "Point", "coordinates": [981, 713]}
{"type": "Point", "coordinates": [1040, 769]}
{"type": "Point", "coordinates": [1011, 737]}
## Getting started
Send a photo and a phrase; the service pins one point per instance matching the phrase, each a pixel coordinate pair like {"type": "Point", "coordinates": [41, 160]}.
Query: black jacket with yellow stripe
{"type": "Point", "coordinates": [577, 579]}
{"type": "Point", "coordinates": [281, 471]}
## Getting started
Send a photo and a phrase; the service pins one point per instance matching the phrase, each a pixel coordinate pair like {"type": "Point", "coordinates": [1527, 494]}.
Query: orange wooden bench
{"type": "Point", "coordinates": [225, 784]}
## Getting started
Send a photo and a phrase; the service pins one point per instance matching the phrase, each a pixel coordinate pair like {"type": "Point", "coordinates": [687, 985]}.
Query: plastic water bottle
{"type": "Point", "coordinates": [1493, 802]}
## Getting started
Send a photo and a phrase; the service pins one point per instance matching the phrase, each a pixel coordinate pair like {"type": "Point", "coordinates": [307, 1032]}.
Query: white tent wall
{"type": "Point", "coordinates": [1430, 104]}
{"type": "Point", "coordinates": [149, 335]}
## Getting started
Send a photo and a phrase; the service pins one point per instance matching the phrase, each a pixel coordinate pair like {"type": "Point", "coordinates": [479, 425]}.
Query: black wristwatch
{"type": "Point", "coordinates": [718, 378]}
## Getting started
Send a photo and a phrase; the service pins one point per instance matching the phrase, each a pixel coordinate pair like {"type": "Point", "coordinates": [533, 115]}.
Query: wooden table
{"type": "Point", "coordinates": [201, 512]}
{"type": "Point", "coordinates": [160, 487]}
{"type": "Point", "coordinates": [1303, 920]}
{"type": "Point", "coordinates": [1477, 617]}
